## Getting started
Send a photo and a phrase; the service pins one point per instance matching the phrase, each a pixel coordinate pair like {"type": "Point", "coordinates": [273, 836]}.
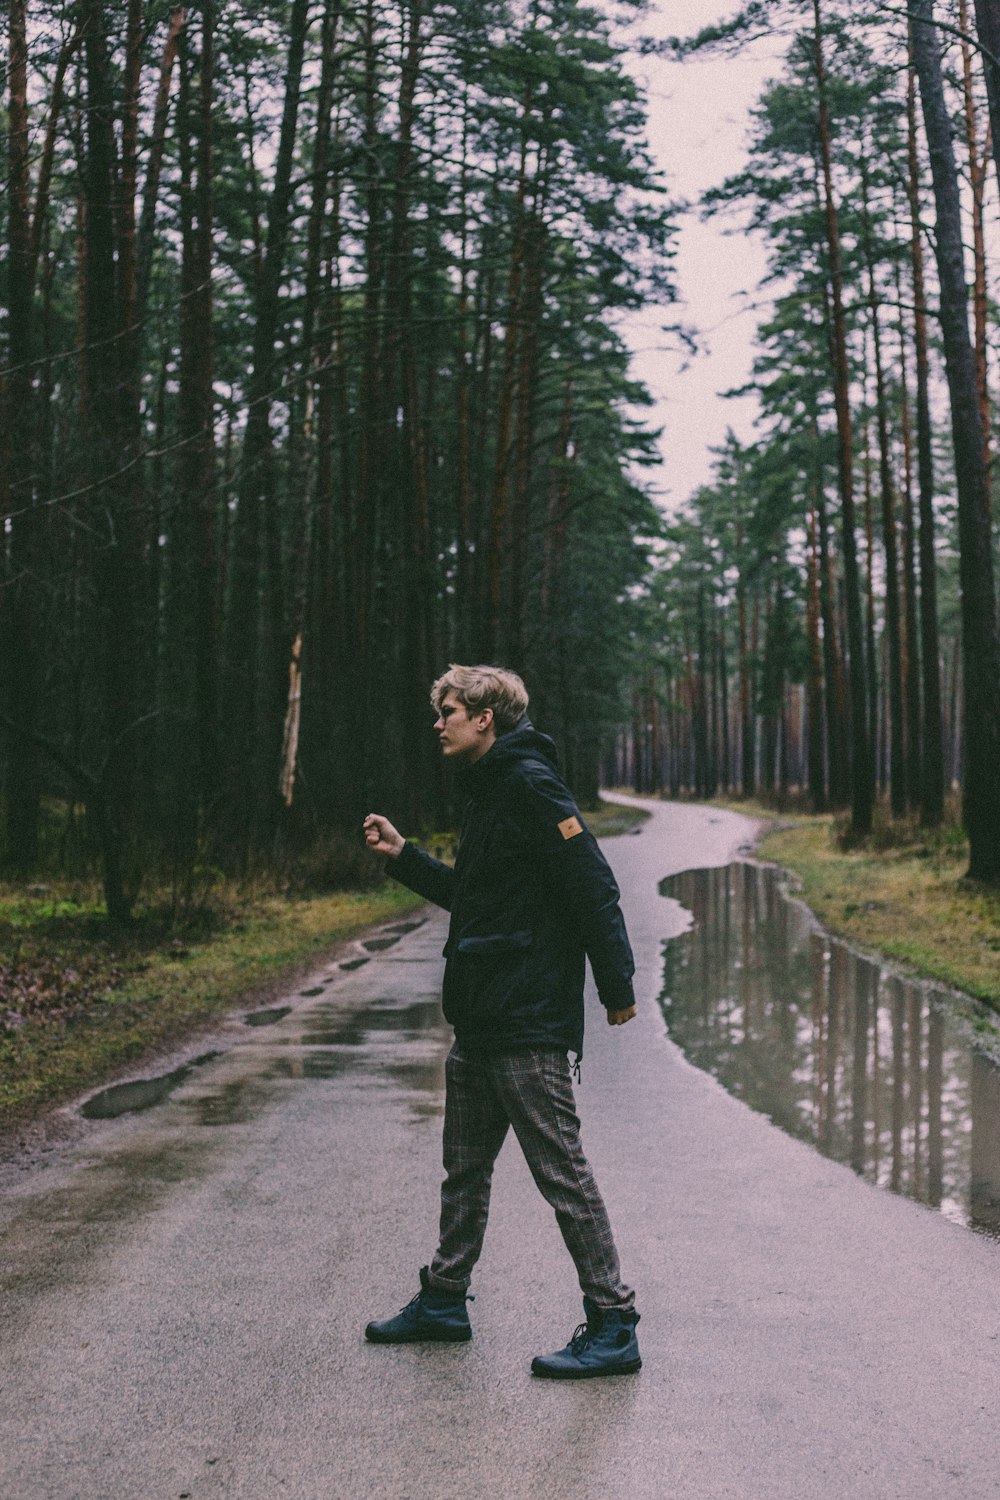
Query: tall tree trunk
{"type": "Point", "coordinates": [21, 665]}
{"type": "Point", "coordinates": [499, 535]}
{"type": "Point", "coordinates": [376, 422]}
{"type": "Point", "coordinates": [890, 543]}
{"type": "Point", "coordinates": [977, 183]}
{"type": "Point", "coordinates": [322, 602]}
{"type": "Point", "coordinates": [256, 683]}
{"type": "Point", "coordinates": [463, 465]}
{"type": "Point", "coordinates": [815, 728]}
{"type": "Point", "coordinates": [835, 689]}
{"type": "Point", "coordinates": [747, 758]}
{"type": "Point", "coordinates": [988, 27]}
{"type": "Point", "coordinates": [862, 770]}
{"type": "Point", "coordinates": [413, 579]}
{"type": "Point", "coordinates": [39, 218]}
{"type": "Point", "coordinates": [195, 564]}
{"type": "Point", "coordinates": [112, 500]}
{"type": "Point", "coordinates": [154, 165]}
{"type": "Point", "coordinates": [931, 738]}
{"type": "Point", "coordinates": [499, 518]}
{"type": "Point", "coordinates": [911, 650]}
{"type": "Point", "coordinates": [871, 654]}
{"type": "Point", "coordinates": [980, 643]}
{"type": "Point", "coordinates": [724, 751]}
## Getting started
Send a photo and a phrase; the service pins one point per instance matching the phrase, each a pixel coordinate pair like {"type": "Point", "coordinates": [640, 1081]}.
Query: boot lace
{"type": "Point", "coordinates": [581, 1338]}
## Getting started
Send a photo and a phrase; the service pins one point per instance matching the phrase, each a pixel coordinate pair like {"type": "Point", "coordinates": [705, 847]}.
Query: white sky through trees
{"type": "Point", "coordinates": [698, 118]}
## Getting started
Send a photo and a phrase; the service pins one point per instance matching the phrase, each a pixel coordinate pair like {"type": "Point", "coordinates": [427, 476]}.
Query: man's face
{"type": "Point", "coordinates": [463, 736]}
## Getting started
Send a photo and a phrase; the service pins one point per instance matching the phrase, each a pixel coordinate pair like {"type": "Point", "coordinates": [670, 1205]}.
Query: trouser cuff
{"type": "Point", "coordinates": [443, 1284]}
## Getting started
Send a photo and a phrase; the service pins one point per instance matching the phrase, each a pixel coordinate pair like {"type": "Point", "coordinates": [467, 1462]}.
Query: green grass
{"type": "Point", "coordinates": [97, 1000]}
{"type": "Point", "coordinates": [907, 899]}
{"type": "Point", "coordinates": [610, 818]}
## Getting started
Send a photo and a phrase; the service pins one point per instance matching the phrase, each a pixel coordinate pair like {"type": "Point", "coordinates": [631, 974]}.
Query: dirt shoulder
{"type": "Point", "coordinates": [83, 1003]}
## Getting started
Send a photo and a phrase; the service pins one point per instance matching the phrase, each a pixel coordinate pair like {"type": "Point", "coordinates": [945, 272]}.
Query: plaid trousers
{"type": "Point", "coordinates": [533, 1093]}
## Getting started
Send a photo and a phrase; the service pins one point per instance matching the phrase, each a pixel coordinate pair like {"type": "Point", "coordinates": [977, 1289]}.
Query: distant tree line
{"type": "Point", "coordinates": [824, 613]}
{"type": "Point", "coordinates": [310, 384]}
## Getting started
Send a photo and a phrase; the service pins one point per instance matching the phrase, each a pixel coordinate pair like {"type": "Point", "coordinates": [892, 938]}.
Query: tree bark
{"type": "Point", "coordinates": [988, 27]}
{"type": "Point", "coordinates": [911, 649]}
{"type": "Point", "coordinates": [21, 664]}
{"type": "Point", "coordinates": [980, 643]}
{"type": "Point", "coordinates": [977, 183]}
{"type": "Point", "coordinates": [747, 748]}
{"type": "Point", "coordinates": [195, 570]}
{"type": "Point", "coordinates": [834, 687]}
{"type": "Point", "coordinates": [862, 770]}
{"type": "Point", "coordinates": [108, 400]}
{"type": "Point", "coordinates": [815, 727]}
{"type": "Point", "coordinates": [931, 736]}
{"type": "Point", "coordinates": [890, 543]}
{"type": "Point", "coordinates": [255, 658]}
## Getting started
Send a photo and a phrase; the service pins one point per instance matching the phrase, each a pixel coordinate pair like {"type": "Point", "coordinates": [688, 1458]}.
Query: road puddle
{"type": "Point", "coordinates": [895, 1077]}
{"type": "Point", "coordinates": [327, 1027]}
{"type": "Point", "coordinates": [144, 1093]}
{"type": "Point", "coordinates": [267, 1017]}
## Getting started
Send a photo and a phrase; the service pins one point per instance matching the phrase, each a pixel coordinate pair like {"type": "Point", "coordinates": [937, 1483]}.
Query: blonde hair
{"type": "Point", "coordinates": [478, 688]}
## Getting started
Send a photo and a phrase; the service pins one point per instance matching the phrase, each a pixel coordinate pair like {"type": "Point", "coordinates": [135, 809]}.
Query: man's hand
{"type": "Point", "coordinates": [381, 837]}
{"type": "Point", "coordinates": [619, 1017]}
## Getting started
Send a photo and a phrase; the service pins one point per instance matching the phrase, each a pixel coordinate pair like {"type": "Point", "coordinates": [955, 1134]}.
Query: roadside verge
{"type": "Point", "coordinates": [910, 903]}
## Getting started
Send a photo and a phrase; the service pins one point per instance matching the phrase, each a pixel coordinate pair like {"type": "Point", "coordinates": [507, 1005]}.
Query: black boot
{"type": "Point", "coordinates": [430, 1317]}
{"type": "Point", "coordinates": [605, 1345]}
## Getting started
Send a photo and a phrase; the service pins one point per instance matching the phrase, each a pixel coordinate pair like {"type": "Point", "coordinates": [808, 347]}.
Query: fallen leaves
{"type": "Point", "coordinates": [53, 990]}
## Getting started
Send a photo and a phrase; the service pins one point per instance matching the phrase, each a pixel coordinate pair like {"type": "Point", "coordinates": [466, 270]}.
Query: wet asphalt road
{"type": "Point", "coordinates": [183, 1292]}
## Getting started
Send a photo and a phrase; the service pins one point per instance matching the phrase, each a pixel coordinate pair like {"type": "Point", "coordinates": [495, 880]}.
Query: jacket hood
{"type": "Point", "coordinates": [523, 742]}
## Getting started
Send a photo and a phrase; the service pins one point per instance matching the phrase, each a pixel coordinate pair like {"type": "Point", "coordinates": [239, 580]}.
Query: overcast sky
{"type": "Point", "coordinates": [698, 117]}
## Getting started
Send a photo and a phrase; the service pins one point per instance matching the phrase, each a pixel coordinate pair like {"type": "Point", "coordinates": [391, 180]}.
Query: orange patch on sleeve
{"type": "Point", "coordinates": [570, 827]}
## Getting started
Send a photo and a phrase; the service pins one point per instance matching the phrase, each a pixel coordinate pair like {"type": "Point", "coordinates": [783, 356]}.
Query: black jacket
{"type": "Point", "coordinates": [530, 895]}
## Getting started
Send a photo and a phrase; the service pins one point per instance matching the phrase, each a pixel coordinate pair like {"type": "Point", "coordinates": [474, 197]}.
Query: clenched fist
{"type": "Point", "coordinates": [381, 837]}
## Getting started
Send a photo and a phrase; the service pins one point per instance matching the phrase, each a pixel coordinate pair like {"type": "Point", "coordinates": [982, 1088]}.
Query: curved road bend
{"type": "Point", "coordinates": [184, 1291]}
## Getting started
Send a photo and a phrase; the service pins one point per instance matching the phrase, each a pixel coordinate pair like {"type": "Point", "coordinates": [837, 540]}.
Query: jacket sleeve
{"type": "Point", "coordinates": [428, 877]}
{"type": "Point", "coordinates": [581, 880]}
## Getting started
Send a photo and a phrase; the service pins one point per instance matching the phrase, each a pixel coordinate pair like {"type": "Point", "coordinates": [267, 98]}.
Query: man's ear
{"type": "Point", "coordinates": [487, 714]}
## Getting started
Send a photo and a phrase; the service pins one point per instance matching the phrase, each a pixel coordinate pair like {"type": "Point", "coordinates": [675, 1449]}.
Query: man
{"type": "Point", "coordinates": [530, 895]}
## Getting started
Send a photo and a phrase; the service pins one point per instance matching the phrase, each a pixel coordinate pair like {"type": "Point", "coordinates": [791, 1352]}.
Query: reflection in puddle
{"type": "Point", "coordinates": [267, 1017]}
{"type": "Point", "coordinates": [235, 1103]}
{"type": "Point", "coordinates": [321, 1062]}
{"type": "Point", "coordinates": [328, 1027]}
{"type": "Point", "coordinates": [125, 1098]}
{"type": "Point", "coordinates": [387, 1041]}
{"type": "Point", "coordinates": [876, 1071]}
